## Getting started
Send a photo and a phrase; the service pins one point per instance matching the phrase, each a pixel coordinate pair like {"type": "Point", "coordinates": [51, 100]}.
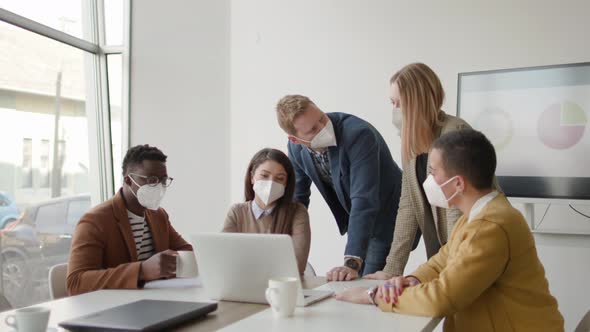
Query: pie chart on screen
{"type": "Point", "coordinates": [496, 124]}
{"type": "Point", "coordinates": [562, 125]}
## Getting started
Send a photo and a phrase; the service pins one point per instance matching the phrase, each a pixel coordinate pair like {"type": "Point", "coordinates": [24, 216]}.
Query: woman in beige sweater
{"type": "Point", "coordinates": [269, 205]}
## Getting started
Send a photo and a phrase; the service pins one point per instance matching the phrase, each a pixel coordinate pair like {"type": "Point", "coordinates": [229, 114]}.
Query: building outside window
{"type": "Point", "coordinates": [63, 120]}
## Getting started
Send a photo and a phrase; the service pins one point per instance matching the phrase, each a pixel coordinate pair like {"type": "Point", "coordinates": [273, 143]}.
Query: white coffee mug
{"type": "Point", "coordinates": [186, 265]}
{"type": "Point", "coordinates": [281, 294]}
{"type": "Point", "coordinates": [33, 319]}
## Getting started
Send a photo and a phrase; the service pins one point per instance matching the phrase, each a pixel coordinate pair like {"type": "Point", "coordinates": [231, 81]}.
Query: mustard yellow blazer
{"type": "Point", "coordinates": [488, 277]}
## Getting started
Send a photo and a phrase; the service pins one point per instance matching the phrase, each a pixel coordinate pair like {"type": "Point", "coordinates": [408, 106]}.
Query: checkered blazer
{"type": "Point", "coordinates": [412, 206]}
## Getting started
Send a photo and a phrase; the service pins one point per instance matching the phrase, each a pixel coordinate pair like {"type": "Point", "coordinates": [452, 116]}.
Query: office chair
{"type": "Point", "coordinates": [584, 325]}
{"type": "Point", "coordinates": [57, 281]}
{"type": "Point", "coordinates": [309, 271]}
{"type": "Point", "coordinates": [4, 304]}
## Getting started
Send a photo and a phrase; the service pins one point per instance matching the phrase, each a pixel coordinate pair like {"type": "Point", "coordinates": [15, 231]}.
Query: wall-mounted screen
{"type": "Point", "coordinates": [537, 119]}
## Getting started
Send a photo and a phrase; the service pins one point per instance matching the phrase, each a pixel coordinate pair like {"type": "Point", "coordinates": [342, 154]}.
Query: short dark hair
{"type": "Point", "coordinates": [470, 154]}
{"type": "Point", "coordinates": [137, 154]}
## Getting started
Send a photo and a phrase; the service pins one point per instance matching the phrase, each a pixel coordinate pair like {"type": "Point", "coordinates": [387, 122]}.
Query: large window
{"type": "Point", "coordinates": [27, 165]}
{"type": "Point", "coordinates": [63, 128]}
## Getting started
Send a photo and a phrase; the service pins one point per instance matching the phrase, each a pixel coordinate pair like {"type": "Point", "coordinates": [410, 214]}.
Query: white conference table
{"type": "Point", "coordinates": [234, 316]}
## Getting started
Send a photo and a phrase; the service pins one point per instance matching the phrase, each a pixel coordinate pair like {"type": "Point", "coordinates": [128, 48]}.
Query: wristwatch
{"type": "Point", "coordinates": [371, 292]}
{"type": "Point", "coordinates": [353, 264]}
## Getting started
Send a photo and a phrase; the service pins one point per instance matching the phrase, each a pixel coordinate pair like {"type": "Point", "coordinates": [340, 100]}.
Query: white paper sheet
{"type": "Point", "coordinates": [174, 283]}
{"type": "Point", "coordinates": [339, 286]}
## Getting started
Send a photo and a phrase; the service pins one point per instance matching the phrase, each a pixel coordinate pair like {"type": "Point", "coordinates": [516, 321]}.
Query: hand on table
{"type": "Point", "coordinates": [342, 273]}
{"type": "Point", "coordinates": [355, 295]}
{"type": "Point", "coordinates": [394, 287]}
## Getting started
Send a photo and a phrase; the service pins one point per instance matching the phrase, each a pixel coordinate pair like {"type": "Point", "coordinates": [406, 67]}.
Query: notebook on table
{"type": "Point", "coordinates": [143, 315]}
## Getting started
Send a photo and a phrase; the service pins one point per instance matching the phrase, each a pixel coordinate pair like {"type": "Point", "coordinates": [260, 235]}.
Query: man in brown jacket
{"type": "Point", "coordinates": [127, 240]}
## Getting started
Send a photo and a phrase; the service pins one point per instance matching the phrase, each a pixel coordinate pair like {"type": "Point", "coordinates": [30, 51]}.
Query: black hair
{"type": "Point", "coordinates": [470, 154]}
{"type": "Point", "coordinates": [137, 154]}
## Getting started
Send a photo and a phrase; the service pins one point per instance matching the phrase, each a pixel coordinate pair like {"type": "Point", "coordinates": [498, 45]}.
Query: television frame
{"type": "Point", "coordinates": [536, 187]}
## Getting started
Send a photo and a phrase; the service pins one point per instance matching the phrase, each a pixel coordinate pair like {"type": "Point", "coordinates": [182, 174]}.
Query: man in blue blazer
{"type": "Point", "coordinates": [350, 164]}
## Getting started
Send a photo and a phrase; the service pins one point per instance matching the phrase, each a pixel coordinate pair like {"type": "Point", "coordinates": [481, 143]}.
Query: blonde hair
{"type": "Point", "coordinates": [421, 96]}
{"type": "Point", "coordinates": [288, 108]}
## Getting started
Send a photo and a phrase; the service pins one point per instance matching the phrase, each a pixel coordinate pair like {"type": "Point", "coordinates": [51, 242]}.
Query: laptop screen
{"type": "Point", "coordinates": [144, 315]}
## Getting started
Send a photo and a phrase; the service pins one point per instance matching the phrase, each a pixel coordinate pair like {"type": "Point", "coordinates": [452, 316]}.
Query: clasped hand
{"type": "Point", "coordinates": [388, 292]}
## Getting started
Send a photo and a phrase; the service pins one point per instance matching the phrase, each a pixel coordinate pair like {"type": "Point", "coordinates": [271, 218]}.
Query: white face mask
{"type": "Point", "coordinates": [435, 194]}
{"type": "Point", "coordinates": [324, 138]}
{"type": "Point", "coordinates": [397, 119]}
{"type": "Point", "coordinates": [268, 191]}
{"type": "Point", "coordinates": [149, 197]}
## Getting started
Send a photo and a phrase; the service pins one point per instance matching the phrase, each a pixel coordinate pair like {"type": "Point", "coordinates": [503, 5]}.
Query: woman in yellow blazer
{"type": "Point", "coordinates": [488, 277]}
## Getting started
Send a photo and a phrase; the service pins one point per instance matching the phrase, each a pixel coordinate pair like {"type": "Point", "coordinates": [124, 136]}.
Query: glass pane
{"type": "Point", "coordinates": [115, 73]}
{"type": "Point", "coordinates": [50, 215]}
{"type": "Point", "coordinates": [69, 16]}
{"type": "Point", "coordinates": [44, 160]}
{"type": "Point", "coordinates": [27, 165]}
{"type": "Point", "coordinates": [113, 16]}
{"type": "Point", "coordinates": [76, 209]}
{"type": "Point", "coordinates": [44, 166]}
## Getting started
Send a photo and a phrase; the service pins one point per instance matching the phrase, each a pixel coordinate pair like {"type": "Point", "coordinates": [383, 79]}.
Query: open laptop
{"type": "Point", "coordinates": [237, 266]}
{"type": "Point", "coordinates": [143, 315]}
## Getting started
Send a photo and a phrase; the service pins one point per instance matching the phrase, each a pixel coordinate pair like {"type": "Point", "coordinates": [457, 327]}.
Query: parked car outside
{"type": "Point", "coordinates": [33, 243]}
{"type": "Point", "coordinates": [8, 210]}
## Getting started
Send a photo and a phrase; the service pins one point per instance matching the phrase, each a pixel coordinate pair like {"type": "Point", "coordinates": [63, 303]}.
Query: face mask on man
{"type": "Point", "coordinates": [268, 191]}
{"type": "Point", "coordinates": [324, 138]}
{"type": "Point", "coordinates": [397, 118]}
{"type": "Point", "coordinates": [435, 194]}
{"type": "Point", "coordinates": [148, 196]}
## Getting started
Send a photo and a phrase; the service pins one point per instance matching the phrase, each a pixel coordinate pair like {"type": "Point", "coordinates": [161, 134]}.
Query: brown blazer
{"type": "Point", "coordinates": [103, 253]}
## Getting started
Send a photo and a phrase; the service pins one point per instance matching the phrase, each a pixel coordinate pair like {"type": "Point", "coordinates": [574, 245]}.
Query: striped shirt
{"type": "Point", "coordinates": [141, 235]}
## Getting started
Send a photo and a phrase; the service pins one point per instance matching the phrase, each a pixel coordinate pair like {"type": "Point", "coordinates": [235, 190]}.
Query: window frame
{"type": "Point", "coordinates": [98, 105]}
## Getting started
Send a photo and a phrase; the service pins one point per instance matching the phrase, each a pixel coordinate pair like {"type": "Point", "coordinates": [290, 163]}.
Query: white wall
{"type": "Point", "coordinates": [205, 93]}
{"type": "Point", "coordinates": [342, 53]}
{"type": "Point", "coordinates": [180, 103]}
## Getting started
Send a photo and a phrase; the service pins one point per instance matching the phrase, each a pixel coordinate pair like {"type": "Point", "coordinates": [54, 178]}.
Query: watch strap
{"type": "Point", "coordinates": [353, 264]}
{"type": "Point", "coordinates": [371, 292]}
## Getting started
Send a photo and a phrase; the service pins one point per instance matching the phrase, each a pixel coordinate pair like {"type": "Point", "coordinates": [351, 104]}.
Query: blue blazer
{"type": "Point", "coordinates": [367, 182]}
